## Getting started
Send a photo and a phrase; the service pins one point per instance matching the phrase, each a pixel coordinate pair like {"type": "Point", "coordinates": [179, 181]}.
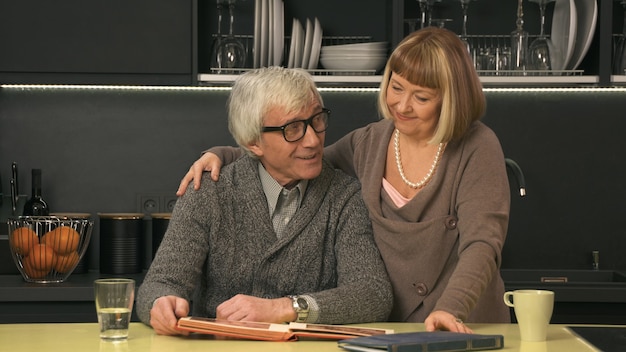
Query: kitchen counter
{"type": "Point", "coordinates": [84, 337]}
{"type": "Point", "coordinates": [72, 301]}
{"type": "Point", "coordinates": [67, 302]}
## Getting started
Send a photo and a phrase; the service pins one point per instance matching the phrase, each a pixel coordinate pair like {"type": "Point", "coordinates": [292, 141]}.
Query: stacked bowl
{"type": "Point", "coordinates": [354, 57]}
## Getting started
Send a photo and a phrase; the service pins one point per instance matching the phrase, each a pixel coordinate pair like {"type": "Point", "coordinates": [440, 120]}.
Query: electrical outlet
{"type": "Point", "coordinates": [149, 203]}
{"type": "Point", "coordinates": [168, 203]}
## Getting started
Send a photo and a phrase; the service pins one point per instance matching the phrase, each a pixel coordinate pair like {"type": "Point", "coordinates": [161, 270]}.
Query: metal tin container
{"type": "Point", "coordinates": [121, 243]}
{"type": "Point", "coordinates": [160, 221]}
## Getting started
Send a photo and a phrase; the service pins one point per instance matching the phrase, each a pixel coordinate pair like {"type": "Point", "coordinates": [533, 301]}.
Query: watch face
{"type": "Point", "coordinates": [302, 303]}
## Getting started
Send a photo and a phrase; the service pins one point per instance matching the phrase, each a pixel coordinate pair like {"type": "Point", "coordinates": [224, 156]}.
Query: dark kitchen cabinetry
{"type": "Point", "coordinates": [167, 42]}
{"type": "Point", "coordinates": [342, 22]}
{"type": "Point", "coordinates": [71, 301]}
{"type": "Point", "coordinates": [97, 42]}
{"type": "Point", "coordinates": [390, 21]}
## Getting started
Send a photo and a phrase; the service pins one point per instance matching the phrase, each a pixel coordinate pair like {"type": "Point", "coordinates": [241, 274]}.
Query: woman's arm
{"type": "Point", "coordinates": [482, 204]}
{"type": "Point", "coordinates": [210, 161]}
{"type": "Point", "coordinates": [340, 154]}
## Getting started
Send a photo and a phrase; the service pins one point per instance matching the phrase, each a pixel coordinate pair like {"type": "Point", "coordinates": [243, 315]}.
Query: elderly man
{"type": "Point", "coordinates": [282, 236]}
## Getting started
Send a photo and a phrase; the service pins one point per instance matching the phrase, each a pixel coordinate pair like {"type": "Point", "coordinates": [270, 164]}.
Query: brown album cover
{"type": "Point", "coordinates": [274, 332]}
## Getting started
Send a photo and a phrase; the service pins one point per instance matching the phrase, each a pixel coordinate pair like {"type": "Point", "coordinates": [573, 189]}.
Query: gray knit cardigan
{"type": "Point", "coordinates": [220, 242]}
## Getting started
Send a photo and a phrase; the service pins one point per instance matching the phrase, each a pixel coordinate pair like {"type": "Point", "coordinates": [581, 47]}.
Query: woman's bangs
{"type": "Point", "coordinates": [416, 67]}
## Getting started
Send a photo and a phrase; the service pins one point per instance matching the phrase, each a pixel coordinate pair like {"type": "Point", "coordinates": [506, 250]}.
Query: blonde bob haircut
{"type": "Point", "coordinates": [256, 92]}
{"type": "Point", "coordinates": [436, 58]}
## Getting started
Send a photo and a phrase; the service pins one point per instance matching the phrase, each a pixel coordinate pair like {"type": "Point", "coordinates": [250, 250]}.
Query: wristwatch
{"type": "Point", "coordinates": [301, 307]}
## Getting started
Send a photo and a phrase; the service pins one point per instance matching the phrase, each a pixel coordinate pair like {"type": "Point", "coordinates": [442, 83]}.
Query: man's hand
{"type": "Point", "coordinates": [165, 313]}
{"type": "Point", "coordinates": [249, 308]}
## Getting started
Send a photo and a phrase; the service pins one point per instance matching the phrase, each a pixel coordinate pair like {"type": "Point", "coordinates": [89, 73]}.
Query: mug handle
{"type": "Point", "coordinates": [507, 299]}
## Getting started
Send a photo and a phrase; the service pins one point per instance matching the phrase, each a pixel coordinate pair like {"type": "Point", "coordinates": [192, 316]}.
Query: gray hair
{"type": "Point", "coordinates": [256, 92]}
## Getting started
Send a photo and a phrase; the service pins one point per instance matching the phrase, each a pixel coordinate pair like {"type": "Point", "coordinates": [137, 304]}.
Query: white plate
{"type": "Point", "coordinates": [317, 44]}
{"type": "Point", "coordinates": [299, 47]}
{"type": "Point", "coordinates": [352, 55]}
{"type": "Point", "coordinates": [308, 43]}
{"type": "Point", "coordinates": [353, 63]}
{"type": "Point", "coordinates": [587, 14]}
{"type": "Point", "coordinates": [256, 53]}
{"type": "Point", "coordinates": [270, 33]}
{"type": "Point", "coordinates": [354, 51]}
{"type": "Point", "coordinates": [264, 33]}
{"type": "Point", "coordinates": [563, 34]}
{"type": "Point", "coordinates": [357, 46]}
{"type": "Point", "coordinates": [292, 45]}
{"type": "Point", "coordinates": [279, 32]}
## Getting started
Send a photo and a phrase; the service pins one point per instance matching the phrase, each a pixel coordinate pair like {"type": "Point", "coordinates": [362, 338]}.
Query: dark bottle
{"type": "Point", "coordinates": [36, 206]}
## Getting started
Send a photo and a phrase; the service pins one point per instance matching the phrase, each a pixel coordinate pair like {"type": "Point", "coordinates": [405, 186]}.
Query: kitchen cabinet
{"type": "Point", "coordinates": [488, 20]}
{"type": "Point", "coordinates": [489, 27]}
{"type": "Point", "coordinates": [71, 301]}
{"type": "Point", "coordinates": [342, 22]}
{"type": "Point", "coordinates": [167, 42]}
{"type": "Point", "coordinates": [580, 296]}
{"type": "Point", "coordinates": [96, 42]}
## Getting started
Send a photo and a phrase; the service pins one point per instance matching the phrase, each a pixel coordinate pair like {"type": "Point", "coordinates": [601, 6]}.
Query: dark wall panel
{"type": "Point", "coordinates": [100, 148]}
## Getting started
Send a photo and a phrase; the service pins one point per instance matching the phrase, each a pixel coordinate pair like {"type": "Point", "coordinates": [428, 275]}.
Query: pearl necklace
{"type": "Point", "coordinates": [429, 175]}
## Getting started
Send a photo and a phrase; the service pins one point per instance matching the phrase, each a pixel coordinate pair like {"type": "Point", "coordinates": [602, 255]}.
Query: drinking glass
{"type": "Point", "coordinates": [519, 41]}
{"type": "Point", "coordinates": [440, 22]}
{"type": "Point", "coordinates": [539, 49]}
{"type": "Point", "coordinates": [503, 60]}
{"type": "Point", "coordinates": [218, 37]}
{"type": "Point", "coordinates": [486, 60]}
{"type": "Point", "coordinates": [463, 36]}
{"type": "Point", "coordinates": [619, 59]}
{"type": "Point", "coordinates": [424, 12]}
{"type": "Point", "coordinates": [114, 300]}
{"type": "Point", "coordinates": [230, 52]}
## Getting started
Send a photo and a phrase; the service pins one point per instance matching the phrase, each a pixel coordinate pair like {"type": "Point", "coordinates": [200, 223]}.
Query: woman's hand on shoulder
{"type": "Point", "coordinates": [207, 162]}
{"type": "Point", "coordinates": [441, 320]}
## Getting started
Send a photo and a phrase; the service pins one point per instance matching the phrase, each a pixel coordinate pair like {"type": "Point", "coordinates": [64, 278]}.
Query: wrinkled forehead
{"type": "Point", "coordinates": [293, 101]}
{"type": "Point", "coordinates": [280, 114]}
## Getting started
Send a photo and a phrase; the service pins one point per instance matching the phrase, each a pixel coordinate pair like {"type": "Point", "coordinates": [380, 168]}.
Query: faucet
{"type": "Point", "coordinates": [519, 175]}
{"type": "Point", "coordinates": [596, 260]}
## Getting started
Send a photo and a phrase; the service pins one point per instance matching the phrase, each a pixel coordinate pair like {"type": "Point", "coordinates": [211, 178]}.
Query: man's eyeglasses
{"type": "Point", "coordinates": [294, 131]}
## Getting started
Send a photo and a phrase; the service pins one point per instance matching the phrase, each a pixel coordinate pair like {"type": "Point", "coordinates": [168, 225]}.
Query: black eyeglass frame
{"type": "Point", "coordinates": [307, 122]}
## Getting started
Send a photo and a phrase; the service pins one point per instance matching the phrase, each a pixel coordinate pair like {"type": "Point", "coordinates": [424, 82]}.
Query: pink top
{"type": "Point", "coordinates": [398, 199]}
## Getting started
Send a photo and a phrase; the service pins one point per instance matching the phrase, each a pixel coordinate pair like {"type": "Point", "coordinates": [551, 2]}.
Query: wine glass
{"type": "Point", "coordinates": [463, 36]}
{"type": "Point", "coordinates": [539, 50]}
{"type": "Point", "coordinates": [440, 22]}
{"type": "Point", "coordinates": [218, 38]}
{"type": "Point", "coordinates": [424, 12]}
{"type": "Point", "coordinates": [230, 52]}
{"type": "Point", "coordinates": [619, 59]}
{"type": "Point", "coordinates": [519, 41]}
